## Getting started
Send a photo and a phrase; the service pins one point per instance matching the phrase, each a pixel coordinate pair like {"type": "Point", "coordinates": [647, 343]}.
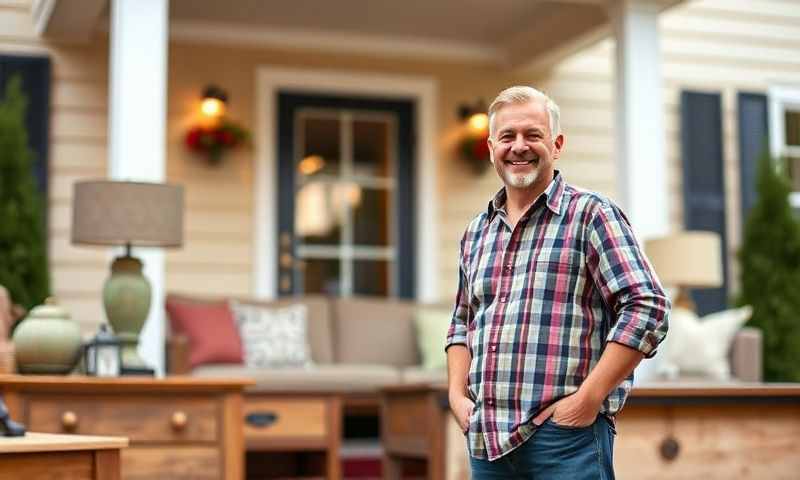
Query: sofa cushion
{"type": "Point", "coordinates": [316, 378]}
{"type": "Point", "coordinates": [273, 336]}
{"type": "Point", "coordinates": [320, 331]}
{"type": "Point", "coordinates": [210, 328]}
{"type": "Point", "coordinates": [700, 346]}
{"type": "Point", "coordinates": [376, 331]}
{"type": "Point", "coordinates": [431, 325]}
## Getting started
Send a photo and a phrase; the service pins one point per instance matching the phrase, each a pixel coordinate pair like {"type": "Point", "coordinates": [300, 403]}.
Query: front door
{"type": "Point", "coordinates": [346, 196]}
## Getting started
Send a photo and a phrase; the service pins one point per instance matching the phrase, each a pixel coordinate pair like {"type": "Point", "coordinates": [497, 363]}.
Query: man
{"type": "Point", "coordinates": [556, 306]}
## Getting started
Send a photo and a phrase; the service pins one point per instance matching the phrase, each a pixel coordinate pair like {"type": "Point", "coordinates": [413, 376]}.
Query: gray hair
{"type": "Point", "coordinates": [523, 94]}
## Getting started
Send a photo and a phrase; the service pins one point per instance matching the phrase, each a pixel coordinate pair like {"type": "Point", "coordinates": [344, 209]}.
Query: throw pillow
{"type": "Point", "coordinates": [431, 325]}
{"type": "Point", "coordinates": [209, 326]}
{"type": "Point", "coordinates": [273, 337]}
{"type": "Point", "coordinates": [700, 346]}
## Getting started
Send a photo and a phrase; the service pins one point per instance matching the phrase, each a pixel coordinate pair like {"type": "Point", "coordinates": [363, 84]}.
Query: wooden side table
{"type": "Point", "coordinates": [181, 428]}
{"type": "Point", "coordinates": [41, 456]}
{"type": "Point", "coordinates": [748, 431]}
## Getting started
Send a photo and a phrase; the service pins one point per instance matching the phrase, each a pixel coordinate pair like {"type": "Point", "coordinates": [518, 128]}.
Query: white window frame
{"type": "Point", "coordinates": [421, 90]}
{"type": "Point", "coordinates": [780, 98]}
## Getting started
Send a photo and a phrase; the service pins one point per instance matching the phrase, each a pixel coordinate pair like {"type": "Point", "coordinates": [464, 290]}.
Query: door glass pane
{"type": "Point", "coordinates": [321, 276]}
{"type": "Point", "coordinates": [792, 128]}
{"type": "Point", "coordinates": [371, 218]}
{"type": "Point", "coordinates": [371, 277]}
{"type": "Point", "coordinates": [321, 149]}
{"type": "Point", "coordinates": [319, 213]}
{"type": "Point", "coordinates": [371, 148]}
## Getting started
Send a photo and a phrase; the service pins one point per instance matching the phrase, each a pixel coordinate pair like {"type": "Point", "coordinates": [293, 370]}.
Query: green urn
{"type": "Point", "coordinates": [48, 341]}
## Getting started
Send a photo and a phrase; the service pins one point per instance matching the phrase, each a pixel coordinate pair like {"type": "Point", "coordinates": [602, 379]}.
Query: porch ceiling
{"type": "Point", "coordinates": [510, 33]}
{"type": "Point", "coordinates": [506, 32]}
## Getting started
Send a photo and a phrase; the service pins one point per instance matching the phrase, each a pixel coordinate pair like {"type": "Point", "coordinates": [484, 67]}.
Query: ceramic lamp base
{"type": "Point", "coordinates": [126, 298]}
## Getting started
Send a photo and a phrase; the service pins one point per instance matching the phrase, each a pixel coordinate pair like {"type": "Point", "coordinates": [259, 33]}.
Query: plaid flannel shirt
{"type": "Point", "coordinates": [536, 305]}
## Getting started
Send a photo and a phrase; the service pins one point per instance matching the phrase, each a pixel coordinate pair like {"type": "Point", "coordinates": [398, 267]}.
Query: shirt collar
{"type": "Point", "coordinates": [554, 193]}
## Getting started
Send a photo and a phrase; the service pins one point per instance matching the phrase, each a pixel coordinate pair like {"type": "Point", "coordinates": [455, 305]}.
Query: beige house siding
{"type": "Point", "coordinates": [77, 151]}
{"type": "Point", "coordinates": [725, 46]}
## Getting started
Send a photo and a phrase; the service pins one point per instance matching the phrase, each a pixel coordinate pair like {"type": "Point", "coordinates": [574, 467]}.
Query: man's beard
{"type": "Point", "coordinates": [520, 180]}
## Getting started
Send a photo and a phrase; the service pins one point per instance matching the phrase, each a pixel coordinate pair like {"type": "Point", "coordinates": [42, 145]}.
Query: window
{"type": "Point", "coordinates": [784, 116]}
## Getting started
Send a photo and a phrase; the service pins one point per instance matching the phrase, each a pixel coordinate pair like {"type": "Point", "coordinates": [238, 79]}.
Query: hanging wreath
{"type": "Point", "coordinates": [214, 141]}
{"type": "Point", "coordinates": [474, 150]}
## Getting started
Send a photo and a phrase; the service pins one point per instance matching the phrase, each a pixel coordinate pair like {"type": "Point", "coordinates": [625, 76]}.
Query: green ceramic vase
{"type": "Point", "coordinates": [48, 341]}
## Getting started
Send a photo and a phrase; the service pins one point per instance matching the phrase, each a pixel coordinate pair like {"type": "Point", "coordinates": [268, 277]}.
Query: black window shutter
{"type": "Point", "coordinates": [753, 142]}
{"type": "Point", "coordinates": [703, 182]}
{"type": "Point", "coordinates": [35, 73]}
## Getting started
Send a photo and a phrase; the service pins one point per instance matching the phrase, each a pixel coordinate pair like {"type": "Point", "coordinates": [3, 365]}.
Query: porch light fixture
{"type": "Point", "coordinates": [473, 146]}
{"type": "Point", "coordinates": [106, 212]}
{"type": "Point", "coordinates": [214, 100]}
{"type": "Point", "coordinates": [475, 115]}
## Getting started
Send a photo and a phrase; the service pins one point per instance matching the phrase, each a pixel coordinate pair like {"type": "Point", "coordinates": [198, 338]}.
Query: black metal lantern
{"type": "Point", "coordinates": [104, 354]}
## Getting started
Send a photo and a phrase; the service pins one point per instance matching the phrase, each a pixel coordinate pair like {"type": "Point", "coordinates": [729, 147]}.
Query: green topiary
{"type": "Point", "coordinates": [23, 254]}
{"type": "Point", "coordinates": [770, 273]}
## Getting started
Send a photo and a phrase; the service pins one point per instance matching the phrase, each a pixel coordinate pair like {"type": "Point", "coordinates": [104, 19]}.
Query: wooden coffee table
{"type": "Point", "coordinates": [671, 431]}
{"type": "Point", "coordinates": [40, 456]}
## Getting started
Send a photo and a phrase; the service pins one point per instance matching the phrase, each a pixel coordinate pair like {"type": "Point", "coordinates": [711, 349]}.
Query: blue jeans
{"type": "Point", "coordinates": [556, 452]}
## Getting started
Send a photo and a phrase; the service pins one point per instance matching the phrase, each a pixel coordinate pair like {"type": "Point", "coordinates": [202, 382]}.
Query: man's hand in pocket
{"type": "Point", "coordinates": [462, 409]}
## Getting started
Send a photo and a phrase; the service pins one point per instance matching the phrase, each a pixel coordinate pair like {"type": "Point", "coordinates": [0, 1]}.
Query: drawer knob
{"type": "Point", "coordinates": [179, 420]}
{"type": "Point", "coordinates": [69, 420]}
{"type": "Point", "coordinates": [670, 448]}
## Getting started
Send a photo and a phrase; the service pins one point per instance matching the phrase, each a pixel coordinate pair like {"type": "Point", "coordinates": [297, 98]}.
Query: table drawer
{"type": "Point", "coordinates": [286, 417]}
{"type": "Point", "coordinates": [141, 419]}
{"type": "Point", "coordinates": [173, 463]}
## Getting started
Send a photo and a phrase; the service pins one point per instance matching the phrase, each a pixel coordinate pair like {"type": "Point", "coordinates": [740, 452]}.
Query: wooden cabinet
{"type": "Point", "coordinates": [295, 422]}
{"type": "Point", "coordinates": [179, 428]}
{"type": "Point", "coordinates": [747, 431]}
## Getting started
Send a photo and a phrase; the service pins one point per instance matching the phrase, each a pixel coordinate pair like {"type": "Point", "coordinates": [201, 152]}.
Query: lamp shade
{"type": "Point", "coordinates": [687, 259]}
{"type": "Point", "coordinates": [106, 212]}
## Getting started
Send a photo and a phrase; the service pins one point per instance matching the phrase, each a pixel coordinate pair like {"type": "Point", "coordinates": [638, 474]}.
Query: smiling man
{"type": "Point", "coordinates": [556, 306]}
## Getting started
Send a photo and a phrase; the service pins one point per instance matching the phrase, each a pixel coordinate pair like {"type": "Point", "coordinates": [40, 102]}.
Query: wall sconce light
{"type": "Point", "coordinates": [472, 146]}
{"type": "Point", "coordinates": [475, 115]}
{"type": "Point", "coordinates": [214, 134]}
{"type": "Point", "coordinates": [214, 100]}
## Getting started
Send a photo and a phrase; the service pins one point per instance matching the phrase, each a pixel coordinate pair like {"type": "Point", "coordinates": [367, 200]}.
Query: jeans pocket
{"type": "Point", "coordinates": [572, 428]}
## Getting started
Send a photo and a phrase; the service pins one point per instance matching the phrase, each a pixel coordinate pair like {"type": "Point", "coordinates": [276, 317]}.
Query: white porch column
{"type": "Point", "coordinates": [641, 160]}
{"type": "Point", "coordinates": [137, 129]}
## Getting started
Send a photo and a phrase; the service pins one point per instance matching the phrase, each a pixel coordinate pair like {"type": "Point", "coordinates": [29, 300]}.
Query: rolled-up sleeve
{"type": "Point", "coordinates": [457, 333]}
{"type": "Point", "coordinates": [626, 281]}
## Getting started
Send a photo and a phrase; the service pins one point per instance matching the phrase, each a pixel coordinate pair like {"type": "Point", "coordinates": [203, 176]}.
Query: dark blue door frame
{"type": "Point", "coordinates": [405, 193]}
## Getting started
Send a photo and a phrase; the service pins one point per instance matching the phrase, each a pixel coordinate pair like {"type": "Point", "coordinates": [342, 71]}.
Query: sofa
{"type": "Point", "coordinates": [359, 345]}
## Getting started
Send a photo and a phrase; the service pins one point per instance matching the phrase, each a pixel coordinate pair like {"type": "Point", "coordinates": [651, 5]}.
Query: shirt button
{"type": "Point", "coordinates": [503, 299]}
{"type": "Point", "coordinates": [507, 269]}
{"type": "Point", "coordinates": [490, 402]}
{"type": "Point", "coordinates": [493, 348]}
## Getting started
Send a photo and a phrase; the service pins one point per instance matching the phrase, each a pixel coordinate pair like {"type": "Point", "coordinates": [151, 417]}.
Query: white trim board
{"type": "Point", "coordinates": [221, 33]}
{"type": "Point", "coordinates": [420, 90]}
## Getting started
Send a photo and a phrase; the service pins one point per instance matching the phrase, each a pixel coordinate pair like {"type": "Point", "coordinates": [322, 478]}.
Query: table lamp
{"type": "Point", "coordinates": [106, 212]}
{"type": "Point", "coordinates": [687, 259]}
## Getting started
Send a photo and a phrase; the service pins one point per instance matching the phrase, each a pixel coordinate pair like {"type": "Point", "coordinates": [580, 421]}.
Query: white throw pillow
{"type": "Point", "coordinates": [699, 346]}
{"type": "Point", "coordinates": [273, 337]}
